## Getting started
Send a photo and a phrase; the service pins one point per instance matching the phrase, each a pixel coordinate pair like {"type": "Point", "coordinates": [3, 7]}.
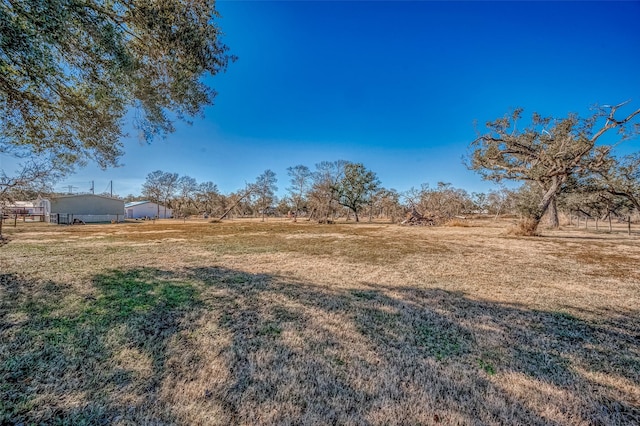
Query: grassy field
{"type": "Point", "coordinates": [296, 323]}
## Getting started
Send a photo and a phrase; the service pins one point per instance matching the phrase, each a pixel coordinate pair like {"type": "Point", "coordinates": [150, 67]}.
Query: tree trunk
{"type": "Point", "coordinates": [629, 224]}
{"type": "Point", "coordinates": [547, 199]}
{"type": "Point", "coordinates": [553, 214]}
{"type": "Point", "coordinates": [610, 229]}
{"type": "Point", "coordinates": [498, 212]}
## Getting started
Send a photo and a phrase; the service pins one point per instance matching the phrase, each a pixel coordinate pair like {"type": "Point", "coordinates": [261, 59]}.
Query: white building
{"type": "Point", "coordinates": [146, 209]}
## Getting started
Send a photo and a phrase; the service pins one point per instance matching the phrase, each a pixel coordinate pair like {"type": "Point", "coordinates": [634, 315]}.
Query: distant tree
{"type": "Point", "coordinates": [160, 187]}
{"type": "Point", "coordinates": [500, 201]}
{"type": "Point", "coordinates": [547, 152]}
{"type": "Point", "coordinates": [479, 200]}
{"type": "Point", "coordinates": [71, 69]}
{"type": "Point", "coordinates": [285, 206]}
{"type": "Point", "coordinates": [323, 196]}
{"type": "Point", "coordinates": [208, 198]}
{"type": "Point", "coordinates": [413, 195]}
{"type": "Point", "coordinates": [34, 178]}
{"type": "Point", "coordinates": [265, 190]}
{"type": "Point", "coordinates": [186, 188]}
{"type": "Point", "coordinates": [300, 179]}
{"type": "Point", "coordinates": [152, 188]}
{"type": "Point", "coordinates": [441, 203]}
{"type": "Point", "coordinates": [356, 187]}
{"type": "Point", "coordinates": [586, 202]}
{"type": "Point", "coordinates": [385, 203]}
{"type": "Point", "coordinates": [132, 197]}
{"type": "Point", "coordinates": [234, 200]}
{"type": "Point", "coordinates": [621, 177]}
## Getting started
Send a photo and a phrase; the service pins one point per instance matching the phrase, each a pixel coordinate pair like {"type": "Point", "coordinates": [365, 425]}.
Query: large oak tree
{"type": "Point", "coordinates": [547, 151]}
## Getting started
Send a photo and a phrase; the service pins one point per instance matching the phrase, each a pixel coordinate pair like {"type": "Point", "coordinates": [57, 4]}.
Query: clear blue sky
{"type": "Point", "coordinates": [394, 85]}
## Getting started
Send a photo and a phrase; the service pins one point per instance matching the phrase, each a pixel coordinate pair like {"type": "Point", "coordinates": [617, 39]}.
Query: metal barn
{"type": "Point", "coordinates": [87, 208]}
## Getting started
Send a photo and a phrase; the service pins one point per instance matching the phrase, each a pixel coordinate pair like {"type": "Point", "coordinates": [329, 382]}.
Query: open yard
{"type": "Point", "coordinates": [297, 323]}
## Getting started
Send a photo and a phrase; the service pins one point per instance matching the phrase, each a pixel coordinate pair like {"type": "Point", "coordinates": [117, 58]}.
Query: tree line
{"type": "Point", "coordinates": [330, 191]}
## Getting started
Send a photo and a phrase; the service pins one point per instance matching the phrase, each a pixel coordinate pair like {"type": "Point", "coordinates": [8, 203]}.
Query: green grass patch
{"type": "Point", "coordinates": [67, 344]}
{"type": "Point", "coordinates": [487, 367]}
{"type": "Point", "coordinates": [270, 330]}
{"type": "Point", "coordinates": [440, 341]}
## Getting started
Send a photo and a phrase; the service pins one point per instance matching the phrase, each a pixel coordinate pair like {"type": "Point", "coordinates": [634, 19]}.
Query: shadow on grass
{"type": "Point", "coordinates": [60, 360]}
{"type": "Point", "coordinates": [363, 355]}
{"type": "Point", "coordinates": [156, 346]}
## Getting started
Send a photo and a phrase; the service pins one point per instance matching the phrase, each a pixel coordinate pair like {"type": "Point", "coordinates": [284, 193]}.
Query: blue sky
{"type": "Point", "coordinates": [394, 85]}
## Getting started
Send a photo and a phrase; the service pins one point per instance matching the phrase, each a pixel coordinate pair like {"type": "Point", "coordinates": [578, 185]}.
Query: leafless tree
{"type": "Point", "coordinates": [33, 177]}
{"type": "Point", "coordinates": [300, 179]}
{"type": "Point", "coordinates": [265, 190]}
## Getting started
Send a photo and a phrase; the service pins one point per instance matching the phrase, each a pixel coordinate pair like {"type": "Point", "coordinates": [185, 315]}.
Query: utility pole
{"type": "Point", "coordinates": [111, 185]}
{"type": "Point", "coordinates": [92, 188]}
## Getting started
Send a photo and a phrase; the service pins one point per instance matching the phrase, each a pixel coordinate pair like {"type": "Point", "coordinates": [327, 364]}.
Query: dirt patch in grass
{"type": "Point", "coordinates": [281, 323]}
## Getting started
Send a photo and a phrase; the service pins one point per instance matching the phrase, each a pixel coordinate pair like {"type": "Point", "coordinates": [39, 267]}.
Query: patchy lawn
{"type": "Point", "coordinates": [295, 323]}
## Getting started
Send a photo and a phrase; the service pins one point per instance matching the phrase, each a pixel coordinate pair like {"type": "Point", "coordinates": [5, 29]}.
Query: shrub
{"type": "Point", "coordinates": [525, 228]}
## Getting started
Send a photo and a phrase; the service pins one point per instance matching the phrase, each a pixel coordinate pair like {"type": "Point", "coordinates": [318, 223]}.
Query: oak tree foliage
{"type": "Point", "coordinates": [70, 70]}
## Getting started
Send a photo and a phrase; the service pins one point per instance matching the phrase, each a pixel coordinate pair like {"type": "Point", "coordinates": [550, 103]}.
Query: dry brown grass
{"type": "Point", "coordinates": [458, 222]}
{"type": "Point", "coordinates": [294, 323]}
